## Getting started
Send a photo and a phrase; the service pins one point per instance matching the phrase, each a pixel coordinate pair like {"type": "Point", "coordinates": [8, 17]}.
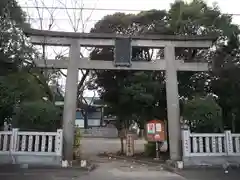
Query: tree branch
{"type": "Point", "coordinates": [80, 84]}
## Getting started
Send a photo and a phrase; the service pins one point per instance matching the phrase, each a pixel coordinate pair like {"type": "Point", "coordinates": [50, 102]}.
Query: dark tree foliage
{"type": "Point", "coordinates": [141, 96]}
{"type": "Point", "coordinates": [21, 84]}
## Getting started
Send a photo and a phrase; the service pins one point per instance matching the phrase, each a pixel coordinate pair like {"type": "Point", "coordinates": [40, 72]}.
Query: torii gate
{"type": "Point", "coordinates": [123, 45]}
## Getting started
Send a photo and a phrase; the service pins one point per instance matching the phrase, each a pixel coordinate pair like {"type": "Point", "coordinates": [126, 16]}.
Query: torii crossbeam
{"type": "Point", "coordinates": [122, 62]}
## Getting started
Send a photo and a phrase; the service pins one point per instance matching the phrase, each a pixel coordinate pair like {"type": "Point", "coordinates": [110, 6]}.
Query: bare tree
{"type": "Point", "coordinates": [78, 24]}
{"type": "Point", "coordinates": [43, 24]}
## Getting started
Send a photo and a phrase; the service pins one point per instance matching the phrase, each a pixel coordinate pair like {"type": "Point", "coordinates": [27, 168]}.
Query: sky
{"type": "Point", "coordinates": [63, 20]}
{"type": "Point", "coordinates": [61, 16]}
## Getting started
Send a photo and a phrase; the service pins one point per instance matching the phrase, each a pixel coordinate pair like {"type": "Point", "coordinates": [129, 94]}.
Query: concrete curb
{"type": "Point", "coordinates": [46, 168]}
{"type": "Point", "coordinates": [38, 169]}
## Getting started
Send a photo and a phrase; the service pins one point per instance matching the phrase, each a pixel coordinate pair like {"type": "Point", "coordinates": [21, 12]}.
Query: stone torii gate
{"type": "Point", "coordinates": [123, 45]}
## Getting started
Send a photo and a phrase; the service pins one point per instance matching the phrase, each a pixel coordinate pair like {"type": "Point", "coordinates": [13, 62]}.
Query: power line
{"type": "Point", "coordinates": [58, 19]}
{"type": "Point", "coordinates": [83, 8]}
{"type": "Point", "coordinates": [98, 9]}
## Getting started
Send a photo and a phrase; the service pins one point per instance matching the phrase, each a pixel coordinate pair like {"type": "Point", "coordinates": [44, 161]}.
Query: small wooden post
{"type": "Point", "coordinates": [59, 142]}
{"type": "Point", "coordinates": [129, 145]}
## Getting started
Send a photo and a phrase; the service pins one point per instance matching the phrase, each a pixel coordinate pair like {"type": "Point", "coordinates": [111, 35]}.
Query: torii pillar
{"type": "Point", "coordinates": [70, 103]}
{"type": "Point", "coordinates": [173, 112]}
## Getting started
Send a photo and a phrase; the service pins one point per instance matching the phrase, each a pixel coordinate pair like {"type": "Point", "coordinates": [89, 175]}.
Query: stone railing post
{"type": "Point", "coordinates": [186, 143]}
{"type": "Point", "coordinates": [14, 140]}
{"type": "Point", "coordinates": [229, 142]}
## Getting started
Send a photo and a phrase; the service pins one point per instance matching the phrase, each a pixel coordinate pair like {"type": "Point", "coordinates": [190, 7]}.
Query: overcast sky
{"type": "Point", "coordinates": [89, 17]}
{"type": "Point", "coordinates": [61, 20]}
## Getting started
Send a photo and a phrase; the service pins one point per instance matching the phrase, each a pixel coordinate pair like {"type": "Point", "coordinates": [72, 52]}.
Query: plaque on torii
{"type": "Point", "coordinates": [123, 52]}
{"type": "Point", "coordinates": [122, 61]}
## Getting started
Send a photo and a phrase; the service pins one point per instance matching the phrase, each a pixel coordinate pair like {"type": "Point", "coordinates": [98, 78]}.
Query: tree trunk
{"type": "Point", "coordinates": [121, 136]}
{"type": "Point", "coordinates": [141, 133]}
{"type": "Point", "coordinates": [122, 145]}
{"type": "Point", "coordinates": [86, 119]}
{"type": "Point", "coordinates": [233, 123]}
{"type": "Point", "coordinates": [102, 116]}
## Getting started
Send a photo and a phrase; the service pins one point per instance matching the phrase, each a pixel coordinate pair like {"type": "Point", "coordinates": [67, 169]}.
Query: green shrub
{"type": "Point", "coordinates": [150, 149]}
{"type": "Point", "coordinates": [203, 115]}
{"type": "Point", "coordinates": [37, 116]}
{"type": "Point", "coordinates": [77, 137]}
{"type": "Point", "coordinates": [77, 144]}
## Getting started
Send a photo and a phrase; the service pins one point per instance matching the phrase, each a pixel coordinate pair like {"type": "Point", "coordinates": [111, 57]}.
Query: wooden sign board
{"type": "Point", "coordinates": [155, 130]}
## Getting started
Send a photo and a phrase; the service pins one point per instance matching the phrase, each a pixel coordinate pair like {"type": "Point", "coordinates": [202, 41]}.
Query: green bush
{"type": "Point", "coordinates": [37, 116]}
{"type": "Point", "coordinates": [24, 88]}
{"type": "Point", "coordinates": [77, 144]}
{"type": "Point", "coordinates": [77, 137]}
{"type": "Point", "coordinates": [150, 149]}
{"type": "Point", "coordinates": [203, 115]}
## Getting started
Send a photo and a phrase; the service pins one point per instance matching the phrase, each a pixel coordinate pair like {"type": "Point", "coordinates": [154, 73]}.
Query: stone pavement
{"type": "Point", "coordinates": [43, 174]}
{"type": "Point", "coordinates": [211, 174]}
{"type": "Point", "coordinates": [111, 169]}
{"type": "Point", "coordinates": [121, 169]}
{"type": "Point", "coordinates": [106, 170]}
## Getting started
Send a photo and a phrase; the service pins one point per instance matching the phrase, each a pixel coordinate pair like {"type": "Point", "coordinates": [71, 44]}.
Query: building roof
{"type": "Point", "coordinates": [91, 101]}
{"type": "Point", "coordinates": [92, 114]}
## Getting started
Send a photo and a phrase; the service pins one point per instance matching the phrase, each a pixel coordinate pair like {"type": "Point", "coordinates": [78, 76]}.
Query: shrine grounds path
{"type": "Point", "coordinates": [113, 169]}
{"type": "Point", "coordinates": [117, 170]}
{"type": "Point", "coordinates": [94, 146]}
